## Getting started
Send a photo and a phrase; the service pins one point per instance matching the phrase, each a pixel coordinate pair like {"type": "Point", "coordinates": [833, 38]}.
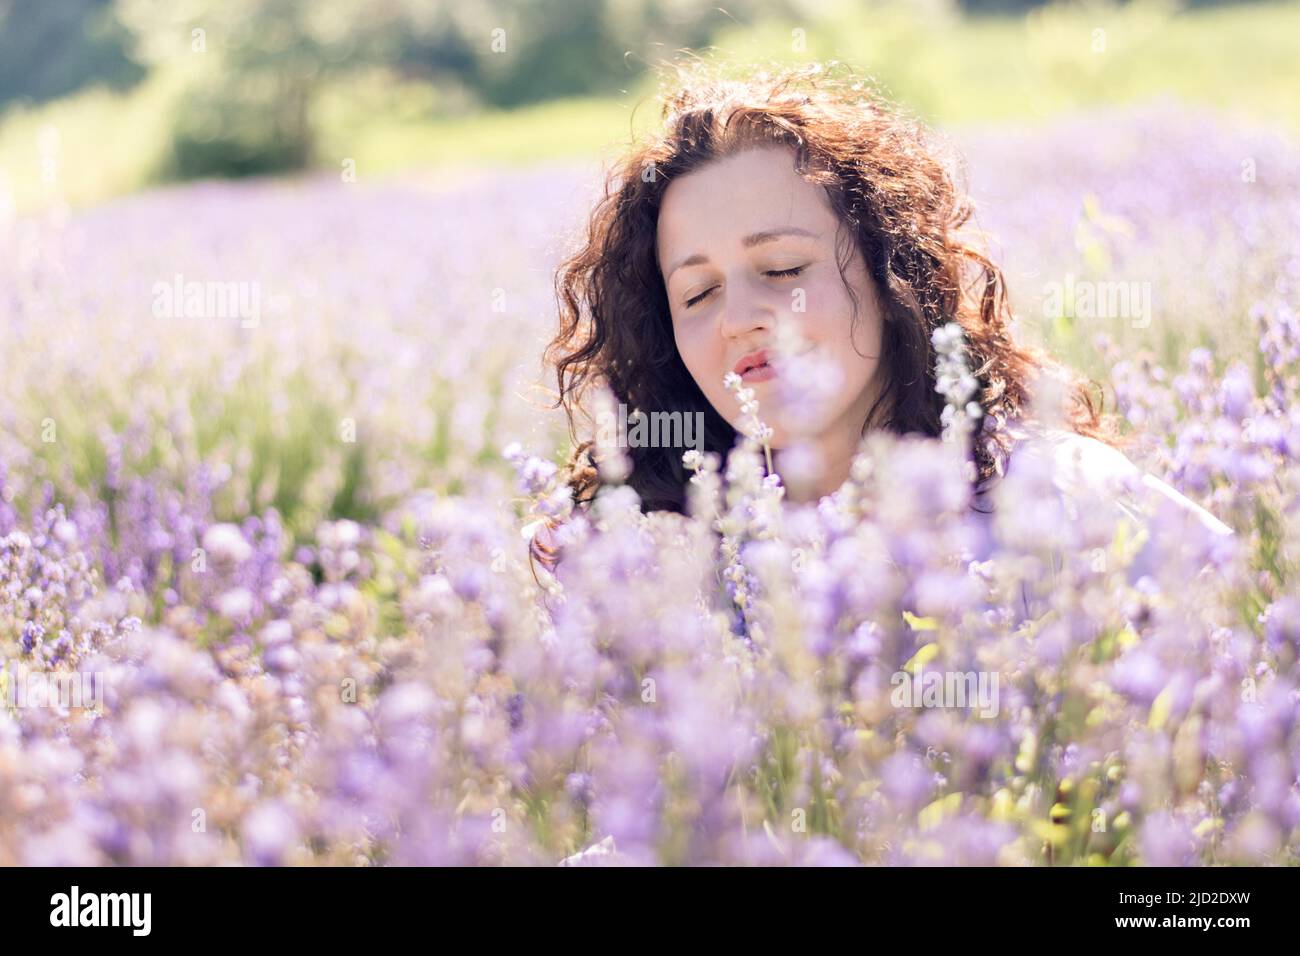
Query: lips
{"type": "Point", "coordinates": [753, 363]}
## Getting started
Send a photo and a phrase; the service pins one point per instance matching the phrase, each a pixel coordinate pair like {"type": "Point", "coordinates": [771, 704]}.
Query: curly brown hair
{"type": "Point", "coordinates": [886, 182]}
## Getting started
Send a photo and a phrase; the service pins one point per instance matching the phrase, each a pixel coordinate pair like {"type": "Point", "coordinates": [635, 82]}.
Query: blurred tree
{"type": "Point", "coordinates": [525, 51]}
{"type": "Point", "coordinates": [254, 68]}
{"type": "Point", "coordinates": [49, 49]}
{"type": "Point", "coordinates": [999, 6]}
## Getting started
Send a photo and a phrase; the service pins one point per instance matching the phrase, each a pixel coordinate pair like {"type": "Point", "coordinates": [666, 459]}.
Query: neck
{"type": "Point", "coordinates": [836, 447]}
{"type": "Point", "coordinates": [836, 464]}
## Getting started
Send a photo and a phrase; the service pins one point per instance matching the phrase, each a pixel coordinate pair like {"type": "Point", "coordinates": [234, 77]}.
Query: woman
{"type": "Point", "coordinates": [794, 232]}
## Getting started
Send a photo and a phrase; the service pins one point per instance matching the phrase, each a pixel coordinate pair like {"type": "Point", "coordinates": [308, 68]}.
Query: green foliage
{"type": "Point", "coordinates": [274, 85]}
{"type": "Point", "coordinates": [48, 50]}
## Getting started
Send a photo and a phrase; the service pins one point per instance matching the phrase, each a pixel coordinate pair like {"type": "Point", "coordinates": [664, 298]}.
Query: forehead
{"type": "Point", "coordinates": [733, 197]}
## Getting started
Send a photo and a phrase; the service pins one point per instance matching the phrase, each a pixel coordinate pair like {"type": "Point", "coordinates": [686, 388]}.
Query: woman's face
{"type": "Point", "coordinates": [745, 244]}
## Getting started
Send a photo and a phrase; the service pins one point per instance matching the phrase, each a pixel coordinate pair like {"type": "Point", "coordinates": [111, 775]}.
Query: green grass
{"type": "Point", "coordinates": [108, 144]}
{"type": "Point", "coordinates": [1011, 68]}
{"type": "Point", "coordinates": [561, 129]}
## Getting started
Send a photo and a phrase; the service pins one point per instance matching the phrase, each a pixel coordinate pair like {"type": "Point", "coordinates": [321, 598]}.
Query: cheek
{"type": "Point", "coordinates": [690, 350]}
{"type": "Point", "coordinates": [867, 336]}
{"type": "Point", "coordinates": [701, 356]}
{"type": "Point", "coordinates": [854, 340]}
{"type": "Point", "coordinates": [862, 332]}
{"type": "Point", "coordinates": [829, 314]}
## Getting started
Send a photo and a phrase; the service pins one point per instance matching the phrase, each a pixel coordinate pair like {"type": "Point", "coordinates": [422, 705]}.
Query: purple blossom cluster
{"type": "Point", "coordinates": [294, 557]}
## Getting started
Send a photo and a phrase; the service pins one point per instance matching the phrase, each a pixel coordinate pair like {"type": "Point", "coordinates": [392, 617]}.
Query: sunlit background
{"type": "Point", "coordinates": [385, 188]}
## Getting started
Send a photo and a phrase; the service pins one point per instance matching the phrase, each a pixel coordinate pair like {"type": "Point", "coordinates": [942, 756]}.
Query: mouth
{"type": "Point", "coordinates": [755, 367]}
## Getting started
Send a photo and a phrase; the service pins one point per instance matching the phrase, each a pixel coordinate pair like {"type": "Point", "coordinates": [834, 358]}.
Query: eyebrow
{"type": "Point", "coordinates": [753, 239]}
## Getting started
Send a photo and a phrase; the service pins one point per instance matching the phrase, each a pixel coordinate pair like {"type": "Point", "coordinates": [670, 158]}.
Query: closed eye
{"type": "Point", "coordinates": [693, 299]}
{"type": "Point", "coordinates": [778, 273]}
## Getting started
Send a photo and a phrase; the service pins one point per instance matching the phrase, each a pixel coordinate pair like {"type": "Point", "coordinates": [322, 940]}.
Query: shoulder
{"type": "Point", "coordinates": [1083, 466]}
{"type": "Point", "coordinates": [1075, 461]}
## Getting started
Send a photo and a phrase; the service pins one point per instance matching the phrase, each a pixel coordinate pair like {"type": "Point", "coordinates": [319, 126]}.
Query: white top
{"type": "Point", "coordinates": [1081, 466]}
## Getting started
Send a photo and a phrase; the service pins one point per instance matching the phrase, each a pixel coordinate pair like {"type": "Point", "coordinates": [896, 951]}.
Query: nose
{"type": "Point", "coordinates": [744, 311]}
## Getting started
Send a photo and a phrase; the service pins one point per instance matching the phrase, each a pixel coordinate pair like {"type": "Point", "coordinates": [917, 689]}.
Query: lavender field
{"type": "Point", "coordinates": [265, 594]}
